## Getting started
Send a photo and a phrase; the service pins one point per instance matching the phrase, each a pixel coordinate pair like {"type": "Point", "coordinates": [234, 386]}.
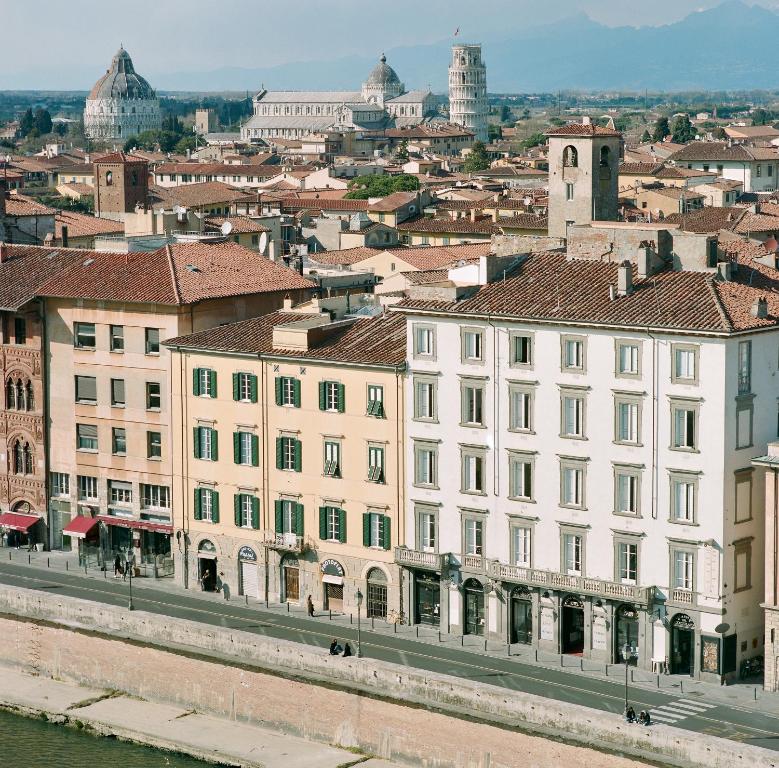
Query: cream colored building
{"type": "Point", "coordinates": [288, 459]}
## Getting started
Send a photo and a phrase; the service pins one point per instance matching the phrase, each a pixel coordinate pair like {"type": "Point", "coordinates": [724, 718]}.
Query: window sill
{"type": "Point", "coordinates": [685, 382]}
{"type": "Point", "coordinates": [86, 402]}
{"type": "Point", "coordinates": [152, 354]}
{"type": "Point", "coordinates": [116, 351]}
{"type": "Point", "coordinates": [577, 507]}
{"type": "Point", "coordinates": [631, 515]}
{"type": "Point", "coordinates": [154, 458]}
{"type": "Point", "coordinates": [87, 450]}
{"type": "Point", "coordinates": [85, 349]}
{"type": "Point", "coordinates": [519, 431]}
{"type": "Point", "coordinates": [121, 455]}
{"type": "Point", "coordinates": [564, 369]}
{"type": "Point", "coordinates": [572, 437]}
{"type": "Point", "coordinates": [689, 523]}
{"type": "Point", "coordinates": [522, 499]}
{"type": "Point", "coordinates": [118, 405]}
{"type": "Point", "coordinates": [469, 492]}
{"type": "Point", "coordinates": [627, 443]}
{"type": "Point", "coordinates": [425, 420]}
{"type": "Point", "coordinates": [154, 410]}
{"type": "Point", "coordinates": [426, 486]}
{"type": "Point", "coordinates": [681, 449]}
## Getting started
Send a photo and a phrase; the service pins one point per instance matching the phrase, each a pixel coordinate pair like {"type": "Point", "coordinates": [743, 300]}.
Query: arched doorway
{"type": "Point", "coordinates": [682, 644]}
{"type": "Point", "coordinates": [474, 607]}
{"type": "Point", "coordinates": [333, 580]}
{"type": "Point", "coordinates": [521, 616]}
{"type": "Point", "coordinates": [250, 580]}
{"type": "Point", "coordinates": [377, 594]}
{"type": "Point", "coordinates": [626, 624]}
{"type": "Point", "coordinates": [290, 578]}
{"type": "Point", "coordinates": [572, 626]}
{"type": "Point", "coordinates": [206, 565]}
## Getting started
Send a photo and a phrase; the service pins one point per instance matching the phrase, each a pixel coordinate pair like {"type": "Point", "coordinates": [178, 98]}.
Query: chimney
{"type": "Point", "coordinates": [586, 120]}
{"type": "Point", "coordinates": [725, 271]}
{"type": "Point", "coordinates": [64, 236]}
{"type": "Point", "coordinates": [624, 279]}
{"type": "Point", "coordinates": [759, 309]}
{"type": "Point", "coordinates": [473, 214]}
{"type": "Point", "coordinates": [644, 262]}
{"type": "Point", "coordinates": [495, 216]}
{"type": "Point", "coordinates": [287, 303]}
{"type": "Point", "coordinates": [612, 293]}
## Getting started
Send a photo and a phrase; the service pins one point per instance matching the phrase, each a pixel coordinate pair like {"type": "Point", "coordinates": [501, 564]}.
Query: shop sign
{"type": "Point", "coordinates": [547, 624]}
{"type": "Point", "coordinates": [247, 553]}
{"type": "Point", "coordinates": [332, 567]}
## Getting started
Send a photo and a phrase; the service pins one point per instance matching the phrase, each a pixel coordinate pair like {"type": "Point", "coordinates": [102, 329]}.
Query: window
{"type": "Point", "coordinates": [204, 382]}
{"type": "Point", "coordinates": [246, 449]}
{"type": "Point", "coordinates": [744, 367]}
{"type": "Point", "coordinates": [153, 396]}
{"type": "Point", "coordinates": [289, 517]}
{"type": "Point", "coordinates": [627, 486]}
{"type": "Point", "coordinates": [520, 409]}
{"type": "Point", "coordinates": [568, 191]}
{"type": "Point", "coordinates": [572, 554]}
{"type": "Point", "coordinates": [627, 562]}
{"type": "Point", "coordinates": [376, 463]}
{"type": "Point", "coordinates": [742, 565]}
{"type": "Point", "coordinates": [521, 539]}
{"type": "Point", "coordinates": [425, 464]}
{"type": "Point", "coordinates": [424, 341]}
{"type": "Point", "coordinates": [87, 488]}
{"type": "Point", "coordinates": [152, 341]}
{"type": "Point", "coordinates": [521, 477]}
{"type": "Point", "coordinates": [332, 466]}
{"type": "Point", "coordinates": [20, 330]}
{"type": "Point", "coordinates": [683, 570]}
{"type": "Point", "coordinates": [627, 421]}
{"type": "Point", "coordinates": [117, 393]}
{"type": "Point", "coordinates": [684, 491]}
{"type": "Point", "coordinates": [570, 157]}
{"type": "Point", "coordinates": [155, 496]}
{"type": "Point", "coordinates": [521, 349]}
{"type": "Point", "coordinates": [288, 454]}
{"type": "Point", "coordinates": [628, 355]}
{"type": "Point", "coordinates": [331, 396]}
{"type": "Point", "coordinates": [120, 492]}
{"type": "Point", "coordinates": [118, 441]}
{"type": "Point", "coordinates": [572, 416]}
{"type": "Point", "coordinates": [685, 364]}
{"type": "Point", "coordinates": [426, 531]}
{"type": "Point", "coordinates": [154, 445]}
{"type": "Point", "coordinates": [376, 401]}
{"type": "Point", "coordinates": [86, 390]}
{"type": "Point", "coordinates": [244, 513]}
{"type": "Point", "coordinates": [245, 387]}
{"type": "Point", "coordinates": [572, 484]}
{"type": "Point", "coordinates": [573, 353]}
{"type": "Point", "coordinates": [206, 505]}
{"type": "Point", "coordinates": [424, 399]}
{"type": "Point", "coordinates": [116, 338]}
{"type": "Point", "coordinates": [472, 404]}
{"type": "Point", "coordinates": [472, 472]}
{"type": "Point", "coordinates": [758, 170]}
{"type": "Point", "coordinates": [84, 335]}
{"type": "Point", "coordinates": [472, 344]}
{"type": "Point", "coordinates": [86, 437]}
{"type": "Point", "coordinates": [684, 426]}
{"type": "Point", "coordinates": [332, 524]}
{"type": "Point", "coordinates": [109, 178]}
{"type": "Point", "coordinates": [287, 391]}
{"type": "Point", "coordinates": [473, 537]}
{"type": "Point", "coordinates": [743, 512]}
{"type": "Point", "coordinates": [60, 484]}
{"type": "Point", "coordinates": [205, 441]}
{"type": "Point", "coordinates": [376, 530]}
{"type": "Point", "coordinates": [744, 414]}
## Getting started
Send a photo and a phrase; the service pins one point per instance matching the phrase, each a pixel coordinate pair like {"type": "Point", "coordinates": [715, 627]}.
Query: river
{"type": "Point", "coordinates": [27, 743]}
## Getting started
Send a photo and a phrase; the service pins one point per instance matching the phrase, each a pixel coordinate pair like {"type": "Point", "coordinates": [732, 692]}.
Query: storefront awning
{"type": "Point", "coordinates": [80, 527]}
{"type": "Point", "coordinates": [16, 521]}
{"type": "Point", "coordinates": [142, 525]}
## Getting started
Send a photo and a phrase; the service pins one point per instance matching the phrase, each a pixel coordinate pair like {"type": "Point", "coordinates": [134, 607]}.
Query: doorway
{"type": "Point", "coordinates": [521, 616]}
{"type": "Point", "coordinates": [377, 594]}
{"type": "Point", "coordinates": [572, 626]}
{"type": "Point", "coordinates": [474, 607]}
{"type": "Point", "coordinates": [682, 644]}
{"type": "Point", "coordinates": [290, 572]}
{"type": "Point", "coordinates": [427, 599]}
{"type": "Point", "coordinates": [207, 573]}
{"type": "Point", "coordinates": [626, 634]}
{"type": "Point", "coordinates": [334, 597]}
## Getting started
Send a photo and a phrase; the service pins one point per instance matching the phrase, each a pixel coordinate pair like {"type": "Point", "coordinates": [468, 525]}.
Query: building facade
{"type": "Point", "coordinates": [468, 89]}
{"type": "Point", "coordinates": [121, 185]}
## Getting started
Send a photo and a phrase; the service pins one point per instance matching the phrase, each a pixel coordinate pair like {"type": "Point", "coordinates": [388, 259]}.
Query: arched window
{"type": "Point", "coordinates": [605, 155]}
{"type": "Point", "coordinates": [570, 157]}
{"type": "Point", "coordinates": [27, 458]}
{"type": "Point", "coordinates": [20, 395]}
{"type": "Point", "coordinates": [10, 395]}
{"type": "Point", "coordinates": [18, 458]}
{"type": "Point", "coordinates": [30, 397]}
{"type": "Point", "coordinates": [109, 178]}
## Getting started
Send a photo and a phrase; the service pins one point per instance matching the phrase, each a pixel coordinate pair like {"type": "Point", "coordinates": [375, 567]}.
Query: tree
{"type": "Point", "coordinates": [477, 160]}
{"type": "Point", "coordinates": [42, 121]}
{"type": "Point", "coordinates": [26, 123]}
{"type": "Point", "coordinates": [534, 140]}
{"type": "Point", "coordinates": [505, 114]}
{"type": "Point", "coordinates": [494, 132]}
{"type": "Point", "coordinates": [761, 117]}
{"type": "Point", "coordinates": [661, 129]}
{"type": "Point", "coordinates": [683, 130]}
{"type": "Point", "coordinates": [646, 137]}
{"type": "Point", "coordinates": [381, 185]}
{"type": "Point", "coordinates": [186, 143]}
{"type": "Point", "coordinates": [61, 129]}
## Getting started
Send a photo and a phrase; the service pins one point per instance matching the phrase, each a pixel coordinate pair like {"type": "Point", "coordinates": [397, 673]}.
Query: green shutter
{"type": "Point", "coordinates": [387, 532]}
{"type": "Point", "coordinates": [322, 395]}
{"type": "Point", "coordinates": [323, 523]}
{"type": "Point", "coordinates": [236, 386]}
{"type": "Point", "coordinates": [366, 529]}
{"type": "Point", "coordinates": [255, 451]}
{"type": "Point", "coordinates": [278, 507]}
{"type": "Point", "coordinates": [196, 381]}
{"type": "Point", "coordinates": [341, 398]}
{"type": "Point", "coordinates": [237, 508]}
{"type": "Point", "coordinates": [298, 456]}
{"type": "Point", "coordinates": [296, 392]}
{"type": "Point", "coordinates": [196, 442]}
{"type": "Point", "coordinates": [255, 513]}
{"type": "Point", "coordinates": [299, 519]}
{"type": "Point", "coordinates": [279, 452]}
{"type": "Point", "coordinates": [237, 447]}
{"type": "Point", "coordinates": [253, 387]}
{"type": "Point", "coordinates": [342, 525]}
{"type": "Point", "coordinates": [212, 378]}
{"type": "Point", "coordinates": [215, 506]}
{"type": "Point", "coordinates": [198, 514]}
{"type": "Point", "coordinates": [214, 445]}
{"type": "Point", "coordinates": [279, 390]}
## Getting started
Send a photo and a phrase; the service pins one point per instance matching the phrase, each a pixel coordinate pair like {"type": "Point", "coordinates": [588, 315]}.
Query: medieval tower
{"type": "Point", "coordinates": [468, 89]}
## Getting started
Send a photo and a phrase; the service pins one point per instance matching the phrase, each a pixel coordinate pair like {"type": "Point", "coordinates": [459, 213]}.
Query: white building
{"type": "Point", "coordinates": [468, 89]}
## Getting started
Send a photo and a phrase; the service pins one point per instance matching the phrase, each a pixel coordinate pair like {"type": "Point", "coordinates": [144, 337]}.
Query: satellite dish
{"type": "Point", "coordinates": [721, 629]}
{"type": "Point", "coordinates": [226, 228]}
{"type": "Point", "coordinates": [263, 242]}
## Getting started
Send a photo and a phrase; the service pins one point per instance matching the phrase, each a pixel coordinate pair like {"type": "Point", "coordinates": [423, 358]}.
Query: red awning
{"type": "Point", "coordinates": [17, 521]}
{"type": "Point", "coordinates": [80, 527]}
{"type": "Point", "coordinates": [143, 525]}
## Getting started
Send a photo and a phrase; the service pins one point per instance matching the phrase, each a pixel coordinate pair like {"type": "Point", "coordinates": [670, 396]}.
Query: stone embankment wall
{"type": "Point", "coordinates": [382, 708]}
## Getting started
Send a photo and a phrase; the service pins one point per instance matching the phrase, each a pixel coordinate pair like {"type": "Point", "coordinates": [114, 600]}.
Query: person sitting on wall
{"type": "Point", "coordinates": [347, 650]}
{"type": "Point", "coordinates": [644, 718]}
{"type": "Point", "coordinates": [630, 715]}
{"type": "Point", "coordinates": [335, 648]}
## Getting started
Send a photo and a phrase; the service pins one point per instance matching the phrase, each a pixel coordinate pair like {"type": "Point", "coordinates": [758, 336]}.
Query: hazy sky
{"type": "Point", "coordinates": [72, 41]}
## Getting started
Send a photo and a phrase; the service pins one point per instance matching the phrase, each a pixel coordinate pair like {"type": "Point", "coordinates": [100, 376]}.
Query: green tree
{"type": "Point", "coordinates": [534, 140]}
{"type": "Point", "coordinates": [494, 132]}
{"type": "Point", "coordinates": [477, 160]}
{"type": "Point", "coordinates": [505, 114]}
{"type": "Point", "coordinates": [683, 130]}
{"type": "Point", "coordinates": [26, 123]}
{"type": "Point", "coordinates": [646, 137]}
{"type": "Point", "coordinates": [661, 129]}
{"type": "Point", "coordinates": [525, 114]}
{"type": "Point", "coordinates": [186, 143]}
{"type": "Point", "coordinates": [381, 185]}
{"type": "Point", "coordinates": [761, 117]}
{"type": "Point", "coordinates": [402, 153]}
{"type": "Point", "coordinates": [42, 121]}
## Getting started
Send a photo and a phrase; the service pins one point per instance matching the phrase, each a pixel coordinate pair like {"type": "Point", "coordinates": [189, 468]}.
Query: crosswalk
{"type": "Point", "coordinates": [678, 710]}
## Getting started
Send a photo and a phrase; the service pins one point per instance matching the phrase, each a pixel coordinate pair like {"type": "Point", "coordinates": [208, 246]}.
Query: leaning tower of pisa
{"type": "Point", "coordinates": [468, 89]}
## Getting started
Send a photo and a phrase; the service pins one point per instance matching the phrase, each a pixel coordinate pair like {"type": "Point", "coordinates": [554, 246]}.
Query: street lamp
{"type": "Point", "coordinates": [627, 652]}
{"type": "Point", "coordinates": [359, 634]}
{"type": "Point", "coordinates": [130, 606]}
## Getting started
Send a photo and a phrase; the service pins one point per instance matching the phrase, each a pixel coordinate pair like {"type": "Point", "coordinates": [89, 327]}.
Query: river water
{"type": "Point", "coordinates": [27, 743]}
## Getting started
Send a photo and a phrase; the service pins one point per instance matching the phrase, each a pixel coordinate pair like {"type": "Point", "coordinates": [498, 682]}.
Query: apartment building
{"type": "Point", "coordinates": [109, 420]}
{"type": "Point", "coordinates": [579, 443]}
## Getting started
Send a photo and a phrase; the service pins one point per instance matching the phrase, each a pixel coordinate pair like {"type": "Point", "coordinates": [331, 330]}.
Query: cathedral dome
{"type": "Point", "coordinates": [383, 74]}
{"type": "Point", "coordinates": [121, 81]}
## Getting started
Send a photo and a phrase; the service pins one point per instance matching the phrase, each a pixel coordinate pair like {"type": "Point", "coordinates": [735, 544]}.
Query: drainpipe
{"type": "Point", "coordinates": [185, 463]}
{"type": "Point", "coordinates": [400, 403]}
{"type": "Point", "coordinates": [265, 473]}
{"type": "Point", "coordinates": [655, 440]}
{"type": "Point", "coordinates": [44, 415]}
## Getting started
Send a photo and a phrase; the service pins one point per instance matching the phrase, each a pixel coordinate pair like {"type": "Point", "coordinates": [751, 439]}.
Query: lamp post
{"type": "Point", "coordinates": [359, 634]}
{"type": "Point", "coordinates": [627, 652]}
{"type": "Point", "coordinates": [130, 606]}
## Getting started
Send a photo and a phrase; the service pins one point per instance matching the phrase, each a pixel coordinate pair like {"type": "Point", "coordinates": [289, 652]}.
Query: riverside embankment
{"type": "Point", "coordinates": [376, 707]}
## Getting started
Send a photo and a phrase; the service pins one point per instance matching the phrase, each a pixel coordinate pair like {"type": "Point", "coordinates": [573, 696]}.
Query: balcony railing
{"type": "Point", "coordinates": [414, 558]}
{"type": "Point", "coordinates": [562, 581]}
{"type": "Point", "coordinates": [681, 597]}
{"type": "Point", "coordinates": [283, 542]}
{"type": "Point", "coordinates": [473, 563]}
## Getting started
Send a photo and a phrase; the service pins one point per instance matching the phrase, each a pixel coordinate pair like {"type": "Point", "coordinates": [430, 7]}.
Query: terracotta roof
{"type": "Point", "coordinates": [324, 204]}
{"type": "Point", "coordinates": [78, 187]}
{"type": "Point", "coordinates": [241, 224]}
{"type": "Point", "coordinates": [641, 168]}
{"type": "Point", "coordinates": [81, 225]}
{"type": "Point", "coordinates": [757, 222]}
{"type": "Point", "coordinates": [174, 275]}
{"type": "Point", "coordinates": [707, 219]}
{"type": "Point", "coordinates": [21, 205]}
{"type": "Point", "coordinates": [675, 193]}
{"type": "Point", "coordinates": [345, 256]}
{"type": "Point", "coordinates": [578, 129]}
{"type": "Point", "coordinates": [379, 340]}
{"type": "Point", "coordinates": [482, 225]}
{"type": "Point", "coordinates": [393, 202]}
{"type": "Point", "coordinates": [425, 257]}
{"type": "Point", "coordinates": [549, 287]}
{"type": "Point", "coordinates": [218, 169]}
{"type": "Point", "coordinates": [194, 195]}
{"type": "Point", "coordinates": [717, 150]}
{"type": "Point", "coordinates": [25, 268]}
{"type": "Point", "coordinates": [119, 157]}
{"type": "Point", "coordinates": [523, 221]}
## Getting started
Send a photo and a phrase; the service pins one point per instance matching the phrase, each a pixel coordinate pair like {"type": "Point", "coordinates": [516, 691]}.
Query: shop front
{"type": "Point", "coordinates": [427, 599]}
{"type": "Point", "coordinates": [60, 515]}
{"type": "Point", "coordinates": [20, 529]}
{"type": "Point", "coordinates": [682, 644]}
{"type": "Point", "coordinates": [521, 621]}
{"type": "Point", "coordinates": [626, 635]}
{"type": "Point", "coordinates": [290, 579]}
{"type": "Point", "coordinates": [333, 585]}
{"type": "Point", "coordinates": [85, 530]}
{"type": "Point", "coordinates": [473, 592]}
{"type": "Point", "coordinates": [147, 542]}
{"type": "Point", "coordinates": [249, 573]}
{"type": "Point", "coordinates": [572, 625]}
{"type": "Point", "coordinates": [206, 566]}
{"type": "Point", "coordinates": [376, 604]}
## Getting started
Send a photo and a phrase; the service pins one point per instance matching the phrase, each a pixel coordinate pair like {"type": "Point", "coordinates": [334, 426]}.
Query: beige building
{"type": "Point", "coordinates": [288, 451]}
{"type": "Point", "coordinates": [110, 444]}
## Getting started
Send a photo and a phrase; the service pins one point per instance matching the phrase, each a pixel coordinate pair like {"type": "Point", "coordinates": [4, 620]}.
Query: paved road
{"type": "Point", "coordinates": [689, 712]}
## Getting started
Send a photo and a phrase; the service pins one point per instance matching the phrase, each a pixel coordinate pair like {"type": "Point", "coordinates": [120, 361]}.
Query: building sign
{"type": "Point", "coordinates": [332, 568]}
{"type": "Point", "coordinates": [599, 640]}
{"type": "Point", "coordinates": [247, 553]}
{"type": "Point", "coordinates": [547, 624]}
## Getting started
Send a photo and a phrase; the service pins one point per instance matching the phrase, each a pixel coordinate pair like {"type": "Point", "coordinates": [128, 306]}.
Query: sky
{"type": "Point", "coordinates": [79, 37]}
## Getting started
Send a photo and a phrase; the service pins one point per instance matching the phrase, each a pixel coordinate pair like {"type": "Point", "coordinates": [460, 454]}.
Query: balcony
{"type": "Point", "coordinates": [283, 542]}
{"type": "Point", "coordinates": [683, 597]}
{"type": "Point", "coordinates": [474, 563]}
{"type": "Point", "coordinates": [414, 558]}
{"type": "Point", "coordinates": [560, 581]}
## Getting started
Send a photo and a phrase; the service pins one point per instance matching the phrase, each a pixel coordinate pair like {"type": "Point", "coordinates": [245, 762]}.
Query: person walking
{"type": "Point", "coordinates": [117, 566]}
{"type": "Point", "coordinates": [310, 607]}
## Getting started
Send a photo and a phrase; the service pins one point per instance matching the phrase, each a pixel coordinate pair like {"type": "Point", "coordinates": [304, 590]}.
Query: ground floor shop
{"type": "Point", "coordinates": [22, 529]}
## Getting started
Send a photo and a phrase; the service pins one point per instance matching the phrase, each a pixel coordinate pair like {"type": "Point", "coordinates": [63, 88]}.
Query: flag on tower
{"type": "Point", "coordinates": [457, 31]}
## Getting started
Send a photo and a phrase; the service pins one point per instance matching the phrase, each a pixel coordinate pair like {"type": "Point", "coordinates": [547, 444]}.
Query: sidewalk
{"type": "Point", "coordinates": [747, 695]}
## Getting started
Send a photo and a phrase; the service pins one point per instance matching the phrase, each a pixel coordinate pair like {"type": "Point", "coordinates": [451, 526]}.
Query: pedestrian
{"type": "Point", "coordinates": [225, 589]}
{"type": "Point", "coordinates": [219, 582]}
{"type": "Point", "coordinates": [630, 715]}
{"type": "Point", "coordinates": [117, 566]}
{"type": "Point", "coordinates": [644, 718]}
{"type": "Point", "coordinates": [310, 606]}
{"type": "Point", "coordinates": [125, 567]}
{"type": "Point", "coordinates": [347, 650]}
{"type": "Point", "coordinates": [335, 649]}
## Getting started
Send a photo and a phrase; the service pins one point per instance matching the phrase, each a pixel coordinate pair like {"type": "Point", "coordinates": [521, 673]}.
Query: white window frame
{"type": "Point", "coordinates": [573, 480]}
{"type": "Point", "coordinates": [573, 414]}
{"type": "Point", "coordinates": [426, 457]}
{"type": "Point", "coordinates": [627, 419]}
{"type": "Point", "coordinates": [424, 341]}
{"type": "Point", "coordinates": [87, 488]}
{"type": "Point", "coordinates": [684, 498]}
{"type": "Point", "coordinates": [521, 475]}
{"type": "Point", "coordinates": [573, 353]}
{"type": "Point", "coordinates": [425, 393]}
{"type": "Point", "coordinates": [627, 359]}
{"type": "Point", "coordinates": [522, 545]}
{"type": "Point", "coordinates": [627, 481]}
{"type": "Point", "coordinates": [472, 345]}
{"type": "Point", "coordinates": [528, 338]}
{"type": "Point", "coordinates": [472, 397]}
{"type": "Point", "coordinates": [682, 357]}
{"type": "Point", "coordinates": [473, 464]}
